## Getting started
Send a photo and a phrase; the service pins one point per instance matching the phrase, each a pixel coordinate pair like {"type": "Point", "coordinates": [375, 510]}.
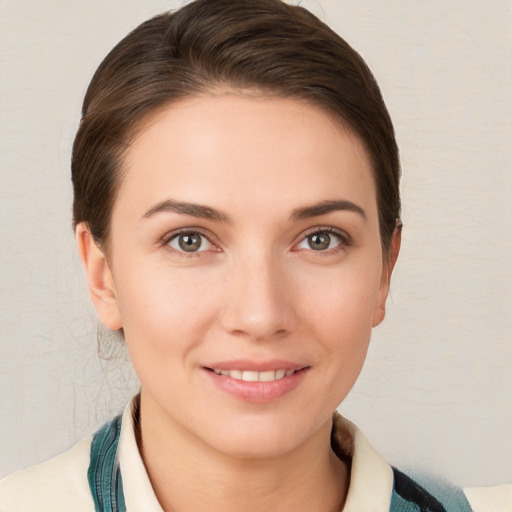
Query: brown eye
{"type": "Point", "coordinates": [319, 241]}
{"type": "Point", "coordinates": [189, 242]}
{"type": "Point", "coordinates": [323, 240]}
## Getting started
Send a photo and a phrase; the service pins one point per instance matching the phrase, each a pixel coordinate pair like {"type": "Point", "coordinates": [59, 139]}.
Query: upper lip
{"type": "Point", "coordinates": [256, 366]}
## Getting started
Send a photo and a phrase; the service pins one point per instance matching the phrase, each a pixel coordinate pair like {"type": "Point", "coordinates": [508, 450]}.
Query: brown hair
{"type": "Point", "coordinates": [267, 45]}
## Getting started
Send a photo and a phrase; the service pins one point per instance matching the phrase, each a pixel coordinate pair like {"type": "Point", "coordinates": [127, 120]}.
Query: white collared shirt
{"type": "Point", "coordinates": [61, 485]}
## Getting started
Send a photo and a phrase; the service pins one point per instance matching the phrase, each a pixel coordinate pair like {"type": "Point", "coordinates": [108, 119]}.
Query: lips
{"type": "Point", "coordinates": [257, 381]}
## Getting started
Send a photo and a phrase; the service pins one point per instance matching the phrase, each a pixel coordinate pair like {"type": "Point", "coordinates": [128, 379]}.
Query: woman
{"type": "Point", "coordinates": [238, 216]}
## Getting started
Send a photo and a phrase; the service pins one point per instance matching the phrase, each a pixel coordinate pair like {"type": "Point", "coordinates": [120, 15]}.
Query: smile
{"type": "Point", "coordinates": [253, 376]}
{"type": "Point", "coordinates": [256, 382]}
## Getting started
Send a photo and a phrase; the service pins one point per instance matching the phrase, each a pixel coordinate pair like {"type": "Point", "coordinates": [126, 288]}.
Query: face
{"type": "Point", "coordinates": [245, 267]}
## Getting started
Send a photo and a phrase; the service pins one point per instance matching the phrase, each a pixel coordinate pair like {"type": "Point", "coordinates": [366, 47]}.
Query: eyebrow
{"type": "Point", "coordinates": [325, 207]}
{"type": "Point", "coordinates": [206, 212]}
{"type": "Point", "coordinates": [195, 210]}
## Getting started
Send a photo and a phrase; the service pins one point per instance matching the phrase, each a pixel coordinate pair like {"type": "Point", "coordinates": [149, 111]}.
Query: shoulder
{"type": "Point", "coordinates": [428, 494]}
{"type": "Point", "coordinates": [490, 499]}
{"type": "Point", "coordinates": [37, 487]}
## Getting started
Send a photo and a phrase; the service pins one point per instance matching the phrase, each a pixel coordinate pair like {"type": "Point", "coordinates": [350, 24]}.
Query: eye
{"type": "Point", "coordinates": [322, 240]}
{"type": "Point", "coordinates": [189, 241]}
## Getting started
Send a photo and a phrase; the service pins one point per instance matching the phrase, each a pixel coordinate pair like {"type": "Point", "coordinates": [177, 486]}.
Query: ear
{"type": "Point", "coordinates": [387, 270]}
{"type": "Point", "coordinates": [99, 278]}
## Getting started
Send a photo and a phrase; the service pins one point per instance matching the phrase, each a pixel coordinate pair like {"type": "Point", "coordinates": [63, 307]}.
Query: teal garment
{"type": "Point", "coordinates": [431, 496]}
{"type": "Point", "coordinates": [106, 483]}
{"type": "Point", "coordinates": [104, 475]}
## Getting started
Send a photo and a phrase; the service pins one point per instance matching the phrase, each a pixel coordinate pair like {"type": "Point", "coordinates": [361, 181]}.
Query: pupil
{"type": "Point", "coordinates": [190, 243]}
{"type": "Point", "coordinates": [319, 241]}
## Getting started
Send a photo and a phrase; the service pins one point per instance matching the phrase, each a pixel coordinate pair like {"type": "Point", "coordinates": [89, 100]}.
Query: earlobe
{"type": "Point", "coordinates": [389, 265]}
{"type": "Point", "coordinates": [99, 278]}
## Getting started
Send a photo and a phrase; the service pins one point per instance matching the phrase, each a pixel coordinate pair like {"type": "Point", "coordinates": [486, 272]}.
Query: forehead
{"type": "Point", "coordinates": [228, 149]}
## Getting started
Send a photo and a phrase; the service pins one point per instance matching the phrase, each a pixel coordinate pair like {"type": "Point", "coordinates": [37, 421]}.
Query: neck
{"type": "Point", "coordinates": [187, 474]}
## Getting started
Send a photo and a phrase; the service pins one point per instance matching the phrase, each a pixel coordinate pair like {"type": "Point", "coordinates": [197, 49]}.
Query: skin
{"type": "Point", "coordinates": [255, 290]}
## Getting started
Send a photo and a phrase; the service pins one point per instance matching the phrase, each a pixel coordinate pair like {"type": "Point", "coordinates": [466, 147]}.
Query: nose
{"type": "Point", "coordinates": [258, 300]}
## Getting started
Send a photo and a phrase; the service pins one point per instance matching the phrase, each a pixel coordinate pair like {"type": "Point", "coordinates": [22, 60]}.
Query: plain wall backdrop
{"type": "Point", "coordinates": [436, 391]}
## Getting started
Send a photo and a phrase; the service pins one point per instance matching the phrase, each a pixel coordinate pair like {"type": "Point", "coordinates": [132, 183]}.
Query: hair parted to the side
{"type": "Point", "coordinates": [266, 46]}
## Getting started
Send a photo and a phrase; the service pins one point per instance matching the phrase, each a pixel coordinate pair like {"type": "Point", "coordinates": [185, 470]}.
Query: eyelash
{"type": "Point", "coordinates": [344, 241]}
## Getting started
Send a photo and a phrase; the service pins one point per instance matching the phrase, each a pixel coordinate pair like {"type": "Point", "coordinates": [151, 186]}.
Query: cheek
{"type": "Point", "coordinates": [342, 300]}
{"type": "Point", "coordinates": [340, 313]}
{"type": "Point", "coordinates": [163, 310]}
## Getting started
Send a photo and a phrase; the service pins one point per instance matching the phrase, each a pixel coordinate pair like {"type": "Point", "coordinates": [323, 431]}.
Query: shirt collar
{"type": "Point", "coordinates": [138, 492]}
{"type": "Point", "coordinates": [371, 477]}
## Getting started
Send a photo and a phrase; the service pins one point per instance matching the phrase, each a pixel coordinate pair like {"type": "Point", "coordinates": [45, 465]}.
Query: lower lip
{"type": "Point", "coordinates": [258, 392]}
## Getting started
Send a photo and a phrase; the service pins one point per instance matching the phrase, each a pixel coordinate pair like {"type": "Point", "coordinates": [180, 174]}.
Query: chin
{"type": "Point", "coordinates": [259, 437]}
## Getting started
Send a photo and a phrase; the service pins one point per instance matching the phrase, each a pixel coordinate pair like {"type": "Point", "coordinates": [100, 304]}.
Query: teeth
{"type": "Point", "coordinates": [280, 374]}
{"type": "Point", "coordinates": [252, 376]}
{"type": "Point", "coordinates": [267, 376]}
